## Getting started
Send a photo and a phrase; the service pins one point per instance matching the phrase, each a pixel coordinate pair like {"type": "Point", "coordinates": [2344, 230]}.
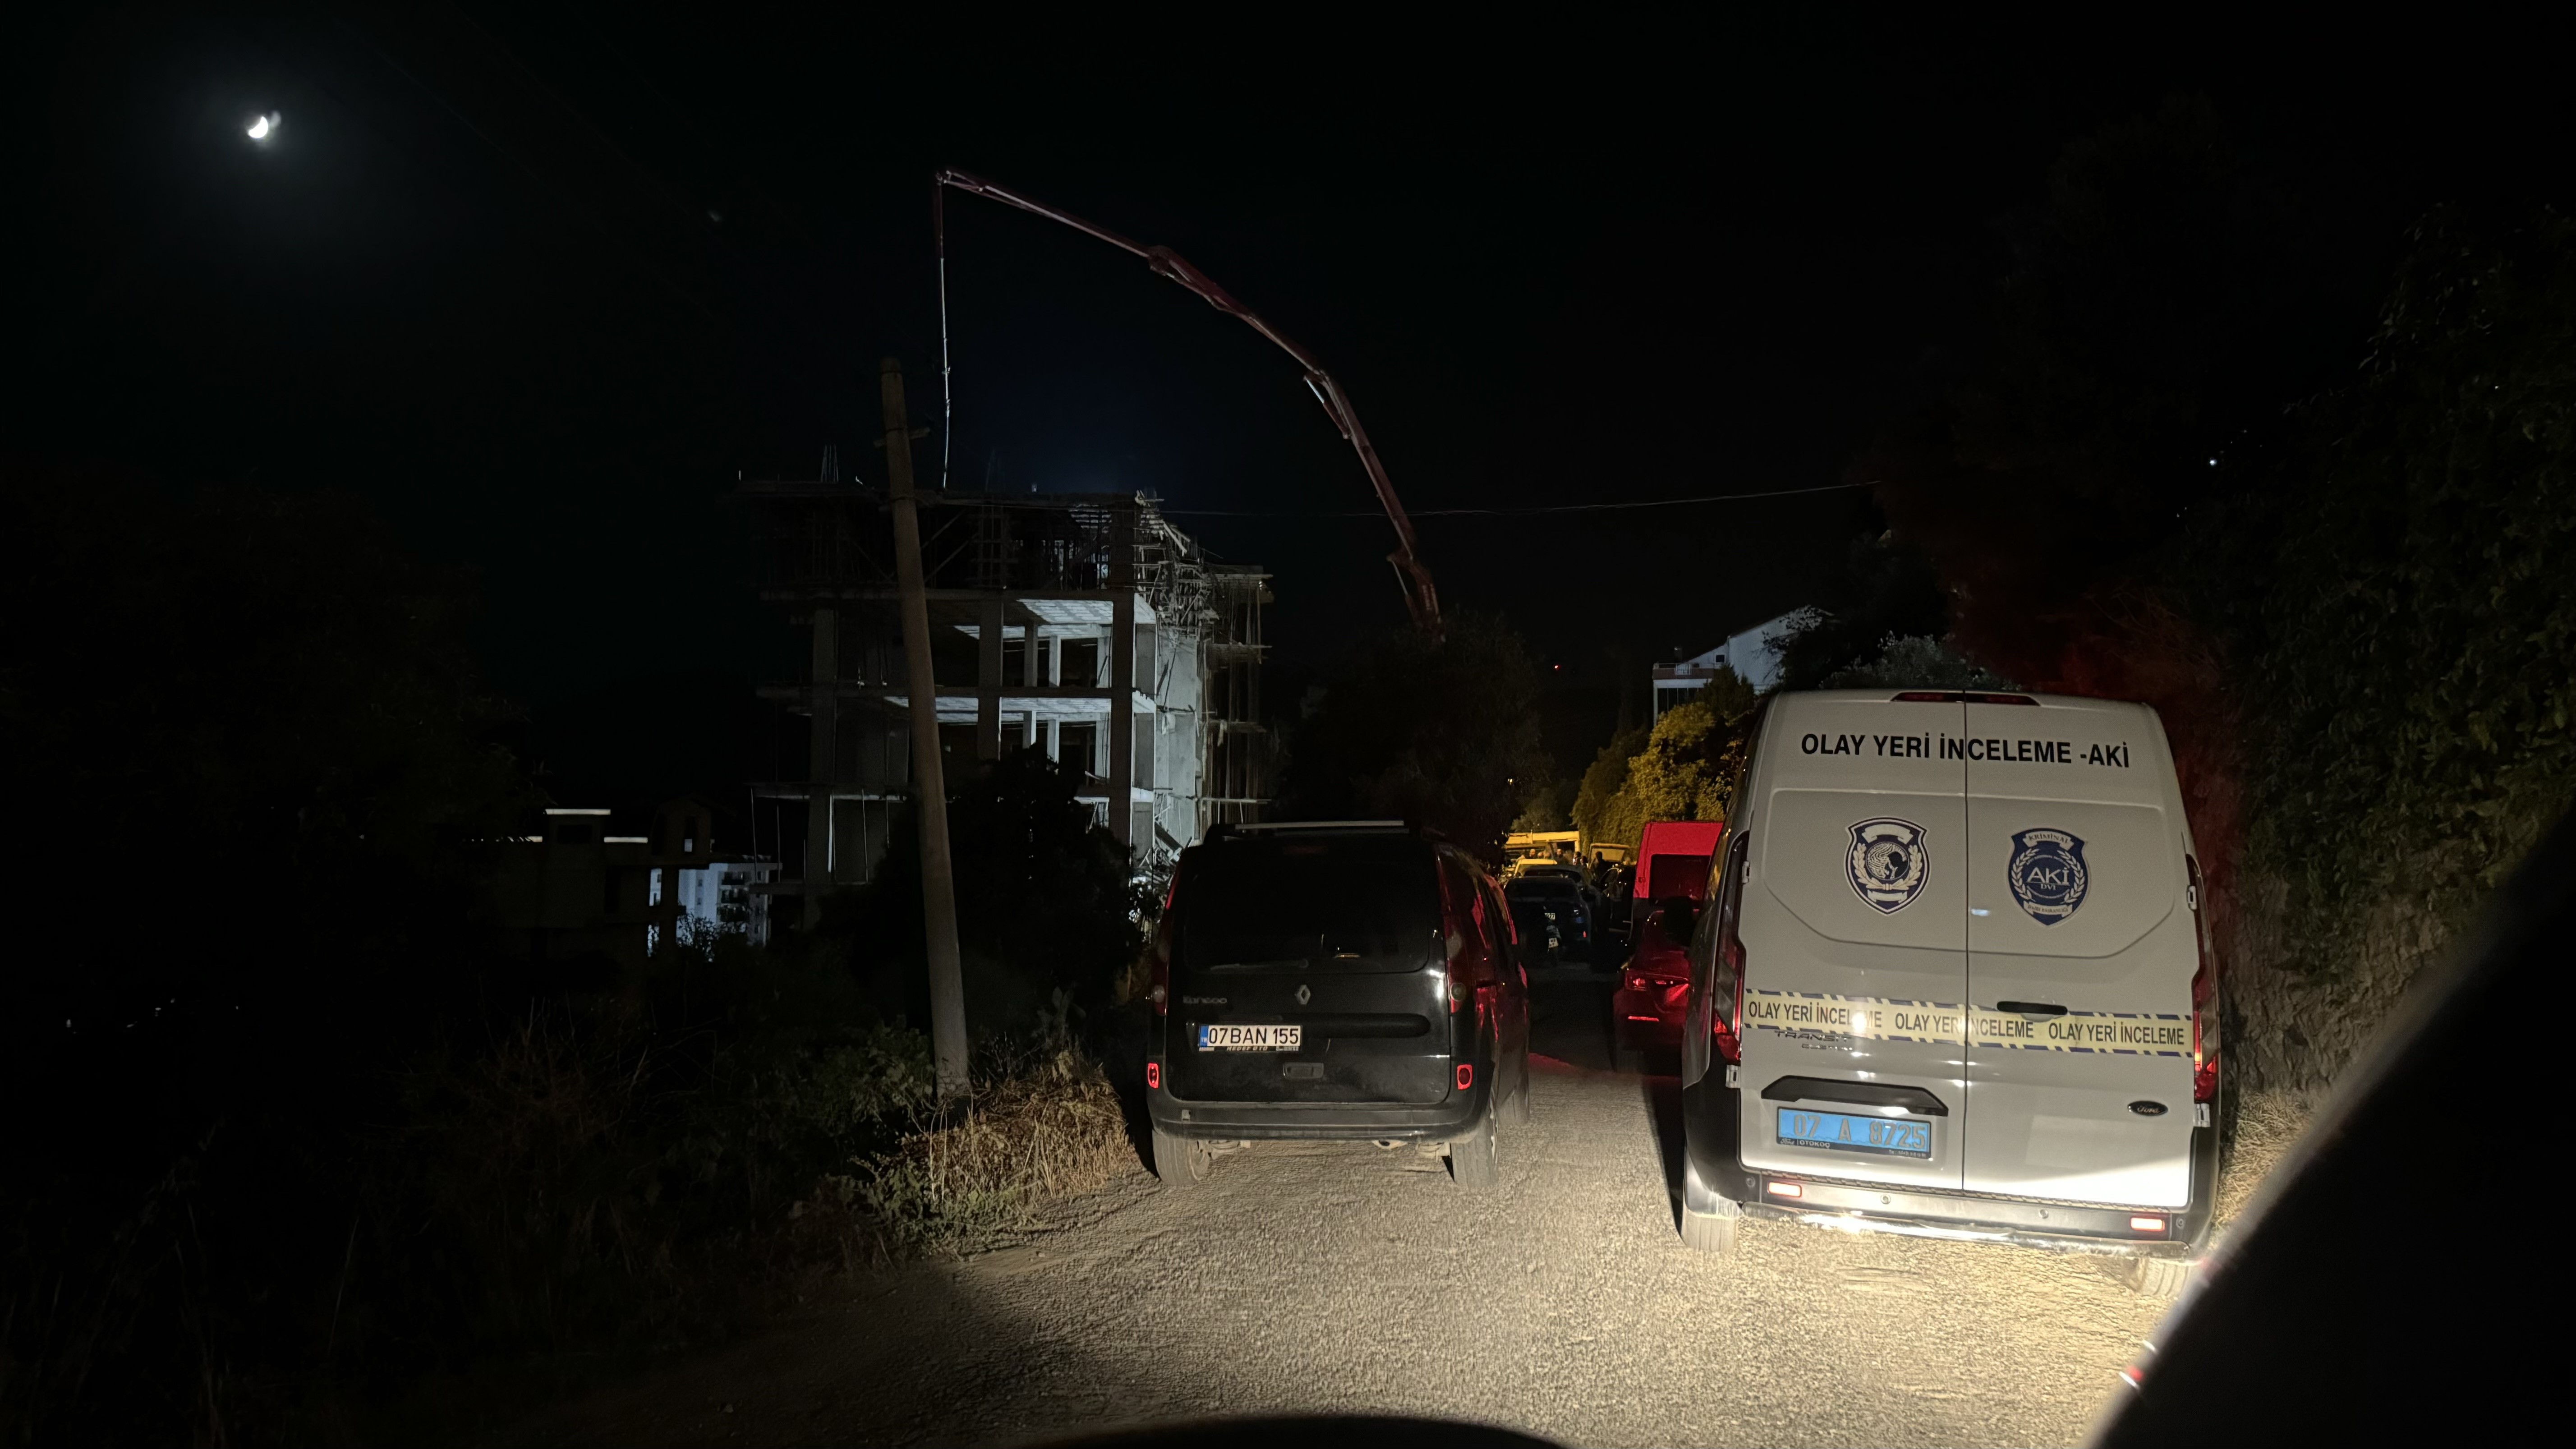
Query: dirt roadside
{"type": "Point", "coordinates": [1312, 1277]}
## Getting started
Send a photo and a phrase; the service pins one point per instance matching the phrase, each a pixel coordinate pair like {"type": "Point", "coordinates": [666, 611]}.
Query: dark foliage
{"type": "Point", "coordinates": [1887, 590]}
{"type": "Point", "coordinates": [2343, 587]}
{"type": "Point", "coordinates": [2173, 293]}
{"type": "Point", "coordinates": [1044, 900]}
{"type": "Point", "coordinates": [2409, 630]}
{"type": "Point", "coordinates": [253, 747]}
{"type": "Point", "coordinates": [1446, 734]}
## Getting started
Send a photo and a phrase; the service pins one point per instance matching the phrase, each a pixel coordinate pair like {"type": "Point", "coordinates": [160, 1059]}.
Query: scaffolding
{"type": "Point", "coordinates": [1091, 628]}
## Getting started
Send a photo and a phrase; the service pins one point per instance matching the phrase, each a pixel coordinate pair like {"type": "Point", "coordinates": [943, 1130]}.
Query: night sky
{"type": "Point", "coordinates": [538, 280]}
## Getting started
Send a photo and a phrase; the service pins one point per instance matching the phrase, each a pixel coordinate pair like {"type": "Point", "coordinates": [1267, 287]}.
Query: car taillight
{"type": "Point", "coordinates": [1466, 1076]}
{"type": "Point", "coordinates": [2204, 995]}
{"type": "Point", "coordinates": [1154, 1076]}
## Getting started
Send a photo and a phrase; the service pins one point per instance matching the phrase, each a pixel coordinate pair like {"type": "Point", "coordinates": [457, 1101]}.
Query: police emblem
{"type": "Point", "coordinates": [2047, 874]}
{"type": "Point", "coordinates": [1888, 862]}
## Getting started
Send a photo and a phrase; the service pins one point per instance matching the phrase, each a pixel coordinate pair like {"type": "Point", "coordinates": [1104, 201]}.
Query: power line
{"type": "Point", "coordinates": [1524, 512]}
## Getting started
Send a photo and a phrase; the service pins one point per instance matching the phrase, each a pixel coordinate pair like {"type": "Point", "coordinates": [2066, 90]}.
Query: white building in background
{"type": "Point", "coordinates": [724, 895]}
{"type": "Point", "coordinates": [1753, 654]}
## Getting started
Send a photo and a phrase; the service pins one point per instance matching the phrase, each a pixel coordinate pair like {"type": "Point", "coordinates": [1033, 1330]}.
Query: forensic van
{"type": "Point", "coordinates": [1956, 980]}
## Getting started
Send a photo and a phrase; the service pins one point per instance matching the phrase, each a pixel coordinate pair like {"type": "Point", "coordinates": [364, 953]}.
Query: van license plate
{"type": "Point", "coordinates": [1250, 1037]}
{"type": "Point", "coordinates": [1845, 1132]}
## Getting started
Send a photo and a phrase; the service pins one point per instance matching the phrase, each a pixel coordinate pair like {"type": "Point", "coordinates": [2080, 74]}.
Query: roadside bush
{"type": "Point", "coordinates": [1045, 900]}
{"type": "Point", "coordinates": [1040, 1130]}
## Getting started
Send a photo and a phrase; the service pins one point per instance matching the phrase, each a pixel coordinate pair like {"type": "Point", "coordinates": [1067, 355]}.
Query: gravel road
{"type": "Point", "coordinates": [1309, 1277]}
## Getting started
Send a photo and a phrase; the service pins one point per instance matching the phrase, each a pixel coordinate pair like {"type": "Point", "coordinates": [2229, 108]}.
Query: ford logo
{"type": "Point", "coordinates": [2148, 1109]}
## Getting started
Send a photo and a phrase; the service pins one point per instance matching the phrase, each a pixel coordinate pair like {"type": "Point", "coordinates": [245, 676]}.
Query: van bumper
{"type": "Point", "coordinates": [1452, 1116]}
{"type": "Point", "coordinates": [1711, 1123]}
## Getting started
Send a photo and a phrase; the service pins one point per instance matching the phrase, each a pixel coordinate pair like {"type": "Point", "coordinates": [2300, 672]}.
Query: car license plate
{"type": "Point", "coordinates": [1846, 1132]}
{"type": "Point", "coordinates": [1228, 1036]}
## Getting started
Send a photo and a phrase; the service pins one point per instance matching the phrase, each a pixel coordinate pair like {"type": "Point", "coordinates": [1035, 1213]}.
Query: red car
{"type": "Point", "coordinates": [1673, 862]}
{"type": "Point", "coordinates": [1646, 1009]}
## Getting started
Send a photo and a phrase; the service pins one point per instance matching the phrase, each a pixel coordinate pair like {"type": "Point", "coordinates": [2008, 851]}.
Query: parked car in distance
{"type": "Point", "coordinates": [1646, 1007]}
{"type": "Point", "coordinates": [1341, 980]}
{"type": "Point", "coordinates": [1554, 921]}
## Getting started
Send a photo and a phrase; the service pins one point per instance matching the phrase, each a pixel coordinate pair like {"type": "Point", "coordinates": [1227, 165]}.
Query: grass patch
{"type": "Point", "coordinates": [1039, 1131]}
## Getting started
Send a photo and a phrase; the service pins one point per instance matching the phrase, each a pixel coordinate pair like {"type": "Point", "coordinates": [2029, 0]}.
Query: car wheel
{"type": "Point", "coordinates": [1519, 1110]}
{"type": "Point", "coordinates": [1180, 1162]}
{"type": "Point", "coordinates": [1472, 1159]}
{"type": "Point", "coordinates": [2162, 1279]}
{"type": "Point", "coordinates": [1708, 1221]}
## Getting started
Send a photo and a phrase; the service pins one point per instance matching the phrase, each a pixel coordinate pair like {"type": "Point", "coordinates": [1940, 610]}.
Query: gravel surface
{"type": "Point", "coordinates": [1325, 1277]}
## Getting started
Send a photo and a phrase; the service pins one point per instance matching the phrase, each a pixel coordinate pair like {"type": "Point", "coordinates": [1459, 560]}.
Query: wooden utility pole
{"type": "Point", "coordinates": [929, 781]}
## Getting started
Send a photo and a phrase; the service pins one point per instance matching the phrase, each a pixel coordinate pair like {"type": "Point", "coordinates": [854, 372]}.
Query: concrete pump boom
{"type": "Point", "coordinates": [1421, 599]}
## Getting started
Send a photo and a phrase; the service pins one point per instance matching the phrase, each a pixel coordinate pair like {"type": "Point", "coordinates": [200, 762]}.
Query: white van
{"type": "Point", "coordinates": [1954, 979]}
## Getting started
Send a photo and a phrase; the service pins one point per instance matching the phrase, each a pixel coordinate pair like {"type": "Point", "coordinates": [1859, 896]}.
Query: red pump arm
{"type": "Point", "coordinates": [1421, 599]}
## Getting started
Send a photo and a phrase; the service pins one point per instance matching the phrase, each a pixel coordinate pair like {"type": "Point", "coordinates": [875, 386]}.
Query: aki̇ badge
{"type": "Point", "coordinates": [1888, 862]}
{"type": "Point", "coordinates": [2047, 874]}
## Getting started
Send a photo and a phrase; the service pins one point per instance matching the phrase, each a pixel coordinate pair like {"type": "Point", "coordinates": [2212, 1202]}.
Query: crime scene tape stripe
{"type": "Point", "coordinates": [1884, 1018]}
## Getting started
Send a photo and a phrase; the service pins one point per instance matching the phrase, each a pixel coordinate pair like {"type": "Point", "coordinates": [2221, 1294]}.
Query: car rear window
{"type": "Point", "coordinates": [1346, 900]}
{"type": "Point", "coordinates": [1520, 888]}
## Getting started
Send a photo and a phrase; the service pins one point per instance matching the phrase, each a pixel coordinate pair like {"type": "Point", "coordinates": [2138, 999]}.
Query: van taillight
{"type": "Point", "coordinates": [2204, 995]}
{"type": "Point", "coordinates": [1154, 1076]}
{"type": "Point", "coordinates": [1726, 1009]}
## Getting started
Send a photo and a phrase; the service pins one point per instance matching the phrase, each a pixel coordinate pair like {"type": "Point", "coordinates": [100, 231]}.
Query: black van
{"type": "Point", "coordinates": [1342, 980]}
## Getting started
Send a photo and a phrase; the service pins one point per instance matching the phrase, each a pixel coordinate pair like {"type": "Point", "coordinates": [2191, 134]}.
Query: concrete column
{"type": "Point", "coordinates": [1122, 717]}
{"type": "Point", "coordinates": [822, 765]}
{"type": "Point", "coordinates": [988, 681]}
{"type": "Point", "coordinates": [1032, 675]}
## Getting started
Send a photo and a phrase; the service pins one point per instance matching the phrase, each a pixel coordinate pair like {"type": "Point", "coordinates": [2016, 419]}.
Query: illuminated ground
{"type": "Point", "coordinates": [1306, 1278]}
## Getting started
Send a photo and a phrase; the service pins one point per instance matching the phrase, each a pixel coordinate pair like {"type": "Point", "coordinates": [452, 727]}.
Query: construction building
{"type": "Point", "coordinates": [1083, 625]}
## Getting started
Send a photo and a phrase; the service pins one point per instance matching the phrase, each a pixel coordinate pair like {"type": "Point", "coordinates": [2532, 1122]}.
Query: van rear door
{"type": "Point", "coordinates": [1855, 940]}
{"type": "Point", "coordinates": [2080, 956]}
{"type": "Point", "coordinates": [1337, 934]}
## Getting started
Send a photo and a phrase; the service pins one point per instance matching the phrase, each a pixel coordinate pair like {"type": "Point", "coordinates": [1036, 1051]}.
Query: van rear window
{"type": "Point", "coordinates": [1677, 875]}
{"type": "Point", "coordinates": [1349, 899]}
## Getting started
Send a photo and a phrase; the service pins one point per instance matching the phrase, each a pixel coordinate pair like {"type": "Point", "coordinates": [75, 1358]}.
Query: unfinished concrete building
{"type": "Point", "coordinates": [1083, 625]}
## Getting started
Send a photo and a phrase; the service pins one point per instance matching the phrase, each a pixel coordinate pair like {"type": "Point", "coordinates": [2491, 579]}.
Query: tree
{"type": "Point", "coordinates": [1915, 662]}
{"type": "Point", "coordinates": [1603, 783]}
{"type": "Point", "coordinates": [1445, 734]}
{"type": "Point", "coordinates": [1685, 769]}
{"type": "Point", "coordinates": [1042, 898]}
{"type": "Point", "coordinates": [2402, 591]}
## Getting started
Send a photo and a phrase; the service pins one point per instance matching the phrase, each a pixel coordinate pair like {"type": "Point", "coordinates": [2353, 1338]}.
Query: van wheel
{"type": "Point", "coordinates": [2162, 1279]}
{"type": "Point", "coordinates": [1708, 1221]}
{"type": "Point", "coordinates": [1472, 1159]}
{"type": "Point", "coordinates": [1180, 1162]}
